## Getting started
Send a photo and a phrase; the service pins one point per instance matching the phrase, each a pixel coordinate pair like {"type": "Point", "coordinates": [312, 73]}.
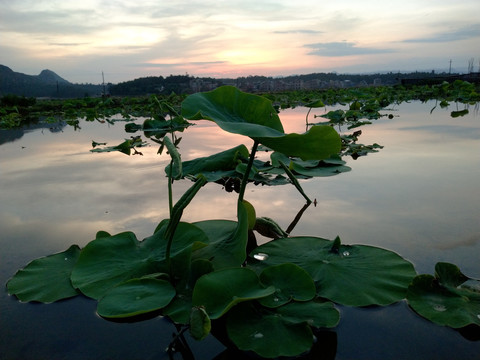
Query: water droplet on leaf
{"type": "Point", "coordinates": [346, 253]}
{"type": "Point", "coordinates": [261, 256]}
{"type": "Point", "coordinates": [440, 308]}
{"type": "Point", "coordinates": [258, 335]}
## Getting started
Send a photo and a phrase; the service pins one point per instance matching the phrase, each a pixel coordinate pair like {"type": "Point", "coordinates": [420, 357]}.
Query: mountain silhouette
{"type": "Point", "coordinates": [45, 84]}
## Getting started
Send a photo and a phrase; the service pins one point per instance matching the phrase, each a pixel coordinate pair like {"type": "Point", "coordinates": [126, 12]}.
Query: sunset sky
{"type": "Point", "coordinates": [127, 40]}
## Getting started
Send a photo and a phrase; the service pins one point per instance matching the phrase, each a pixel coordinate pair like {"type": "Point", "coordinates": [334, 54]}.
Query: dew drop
{"type": "Point", "coordinates": [478, 316]}
{"type": "Point", "coordinates": [440, 308]}
{"type": "Point", "coordinates": [346, 253]}
{"type": "Point", "coordinates": [258, 335]}
{"type": "Point", "coordinates": [66, 259]}
{"type": "Point", "coordinates": [326, 261]}
{"type": "Point", "coordinates": [261, 256]}
{"type": "Point", "coordinates": [275, 299]}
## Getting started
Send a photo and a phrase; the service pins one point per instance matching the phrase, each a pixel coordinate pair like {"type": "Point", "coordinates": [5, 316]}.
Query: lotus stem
{"type": "Point", "coordinates": [247, 171]}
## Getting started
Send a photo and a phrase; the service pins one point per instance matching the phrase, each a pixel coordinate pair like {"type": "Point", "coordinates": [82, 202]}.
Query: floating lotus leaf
{"type": "Point", "coordinates": [312, 168]}
{"type": "Point", "coordinates": [449, 298]}
{"type": "Point", "coordinates": [220, 290]}
{"type": "Point", "coordinates": [105, 262]}
{"type": "Point", "coordinates": [357, 275]}
{"type": "Point", "coordinates": [283, 331]}
{"type": "Point", "coordinates": [291, 282]}
{"type": "Point", "coordinates": [254, 116]}
{"type": "Point", "coordinates": [316, 313]}
{"type": "Point", "coordinates": [46, 279]}
{"type": "Point", "coordinates": [135, 297]}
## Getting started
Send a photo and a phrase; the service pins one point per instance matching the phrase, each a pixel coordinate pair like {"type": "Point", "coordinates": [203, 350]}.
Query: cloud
{"type": "Point", "coordinates": [463, 33]}
{"type": "Point", "coordinates": [299, 31]}
{"type": "Point", "coordinates": [198, 63]}
{"type": "Point", "coordinates": [69, 44]}
{"type": "Point", "coordinates": [343, 48]}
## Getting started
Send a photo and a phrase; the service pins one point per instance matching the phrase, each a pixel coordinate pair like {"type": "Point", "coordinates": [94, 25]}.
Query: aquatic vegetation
{"type": "Point", "coordinates": [209, 276]}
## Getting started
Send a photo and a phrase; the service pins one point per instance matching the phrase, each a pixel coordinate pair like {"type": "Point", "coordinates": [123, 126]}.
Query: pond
{"type": "Point", "coordinates": [418, 196]}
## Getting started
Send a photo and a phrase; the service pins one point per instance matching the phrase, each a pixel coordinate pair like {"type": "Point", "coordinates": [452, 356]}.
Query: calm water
{"type": "Point", "coordinates": [419, 196]}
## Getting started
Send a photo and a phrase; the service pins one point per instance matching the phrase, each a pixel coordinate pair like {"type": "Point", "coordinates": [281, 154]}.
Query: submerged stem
{"type": "Point", "coordinates": [247, 171]}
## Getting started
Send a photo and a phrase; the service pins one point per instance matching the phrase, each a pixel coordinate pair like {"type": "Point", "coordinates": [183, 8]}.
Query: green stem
{"type": "Point", "coordinates": [170, 195]}
{"type": "Point", "coordinates": [294, 181]}
{"type": "Point", "coordinates": [306, 118]}
{"type": "Point", "coordinates": [247, 172]}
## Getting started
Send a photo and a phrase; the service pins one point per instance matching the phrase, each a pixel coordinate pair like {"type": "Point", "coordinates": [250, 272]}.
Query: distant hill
{"type": "Point", "coordinates": [46, 84]}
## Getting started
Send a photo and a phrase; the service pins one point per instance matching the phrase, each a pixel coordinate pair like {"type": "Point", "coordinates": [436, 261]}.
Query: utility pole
{"type": "Point", "coordinates": [450, 69]}
{"type": "Point", "coordinates": [103, 83]}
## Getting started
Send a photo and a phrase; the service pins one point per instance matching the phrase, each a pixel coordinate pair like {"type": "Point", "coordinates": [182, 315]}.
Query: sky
{"type": "Point", "coordinates": [127, 40]}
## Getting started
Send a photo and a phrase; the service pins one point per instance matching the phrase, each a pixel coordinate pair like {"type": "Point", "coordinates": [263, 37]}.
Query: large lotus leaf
{"type": "Point", "coordinates": [227, 240]}
{"type": "Point", "coordinates": [105, 262]}
{"type": "Point", "coordinates": [254, 116]}
{"type": "Point", "coordinates": [46, 279]}
{"type": "Point", "coordinates": [135, 297]}
{"type": "Point", "coordinates": [266, 333]}
{"type": "Point", "coordinates": [318, 143]}
{"type": "Point", "coordinates": [357, 275]}
{"type": "Point", "coordinates": [234, 111]}
{"type": "Point", "coordinates": [218, 291]}
{"type": "Point", "coordinates": [448, 298]}
{"type": "Point", "coordinates": [291, 282]}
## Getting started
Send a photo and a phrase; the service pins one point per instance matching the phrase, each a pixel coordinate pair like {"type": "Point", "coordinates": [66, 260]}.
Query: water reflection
{"type": "Point", "coordinates": [418, 196]}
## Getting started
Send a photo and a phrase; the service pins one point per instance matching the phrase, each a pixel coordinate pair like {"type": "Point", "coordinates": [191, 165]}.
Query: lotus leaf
{"type": "Point", "coordinates": [218, 291]}
{"type": "Point", "coordinates": [312, 168]}
{"type": "Point", "coordinates": [283, 331]}
{"type": "Point", "coordinates": [357, 275]}
{"type": "Point", "coordinates": [179, 309]}
{"type": "Point", "coordinates": [234, 111]}
{"type": "Point", "coordinates": [135, 297]}
{"type": "Point", "coordinates": [254, 116]}
{"type": "Point", "coordinates": [227, 240]}
{"type": "Point", "coordinates": [200, 324]}
{"type": "Point", "coordinates": [105, 262]}
{"type": "Point", "coordinates": [46, 279]}
{"type": "Point", "coordinates": [216, 166]}
{"type": "Point", "coordinates": [291, 282]}
{"type": "Point", "coordinates": [449, 298]}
